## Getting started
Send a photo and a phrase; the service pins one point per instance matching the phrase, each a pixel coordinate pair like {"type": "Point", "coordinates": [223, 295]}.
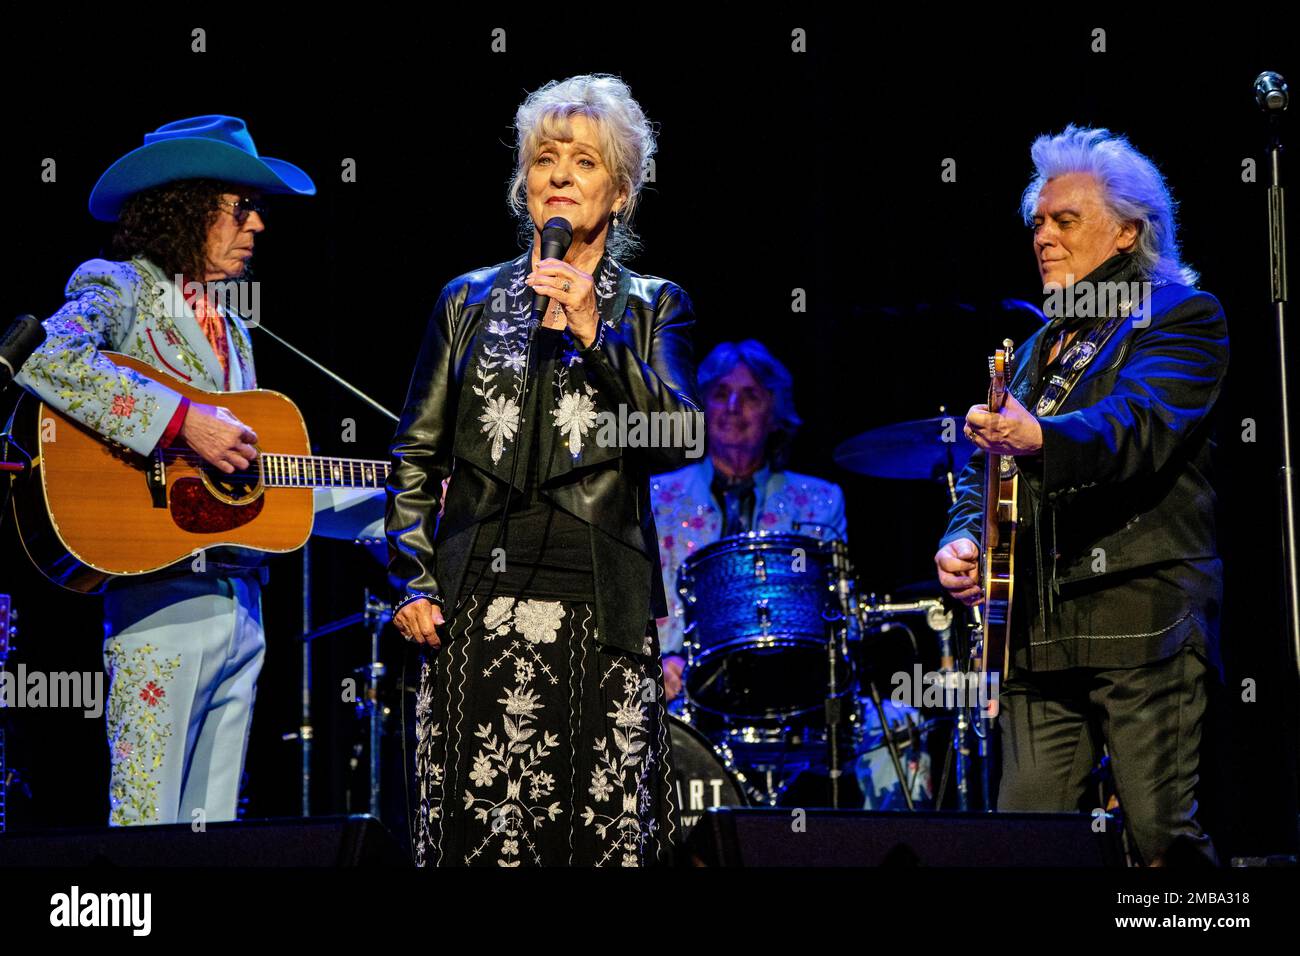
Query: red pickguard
{"type": "Point", "coordinates": [194, 509]}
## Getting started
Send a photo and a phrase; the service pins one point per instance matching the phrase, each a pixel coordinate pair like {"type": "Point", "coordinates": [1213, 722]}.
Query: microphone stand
{"type": "Point", "coordinates": [964, 722]}
{"type": "Point", "coordinates": [305, 730]}
{"type": "Point", "coordinates": [337, 379]}
{"type": "Point", "coordinates": [23, 337]}
{"type": "Point", "coordinates": [11, 471]}
{"type": "Point", "coordinates": [1271, 95]}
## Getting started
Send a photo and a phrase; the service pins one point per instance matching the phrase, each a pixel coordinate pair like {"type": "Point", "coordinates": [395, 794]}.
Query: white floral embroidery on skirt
{"type": "Point", "coordinates": [536, 745]}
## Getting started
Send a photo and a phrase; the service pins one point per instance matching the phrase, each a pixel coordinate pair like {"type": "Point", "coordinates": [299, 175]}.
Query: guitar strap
{"type": "Point", "coordinates": [1076, 360]}
{"type": "Point", "coordinates": [1078, 356]}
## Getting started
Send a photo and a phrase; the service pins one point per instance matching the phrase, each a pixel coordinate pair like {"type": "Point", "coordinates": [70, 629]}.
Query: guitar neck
{"type": "Point", "coordinates": [311, 471]}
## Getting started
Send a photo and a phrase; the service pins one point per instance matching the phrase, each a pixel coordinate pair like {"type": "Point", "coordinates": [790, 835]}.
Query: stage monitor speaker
{"type": "Point", "coordinates": [736, 836]}
{"type": "Point", "coordinates": [317, 842]}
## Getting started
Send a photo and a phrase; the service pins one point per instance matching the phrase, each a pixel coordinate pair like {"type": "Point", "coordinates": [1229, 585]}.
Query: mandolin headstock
{"type": "Point", "coordinates": [1001, 368]}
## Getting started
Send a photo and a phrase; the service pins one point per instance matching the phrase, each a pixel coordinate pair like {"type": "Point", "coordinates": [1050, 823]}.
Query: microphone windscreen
{"type": "Point", "coordinates": [557, 236]}
{"type": "Point", "coordinates": [19, 341]}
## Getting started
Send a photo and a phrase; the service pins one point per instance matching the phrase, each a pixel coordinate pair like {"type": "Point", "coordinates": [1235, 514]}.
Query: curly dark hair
{"type": "Point", "coordinates": [168, 225]}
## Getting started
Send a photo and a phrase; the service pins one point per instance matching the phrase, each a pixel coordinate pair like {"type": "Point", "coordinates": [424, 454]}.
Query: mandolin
{"type": "Point", "coordinates": [89, 510]}
{"type": "Point", "coordinates": [1001, 480]}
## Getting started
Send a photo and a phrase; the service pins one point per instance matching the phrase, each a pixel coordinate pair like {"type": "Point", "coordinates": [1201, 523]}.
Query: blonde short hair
{"type": "Point", "coordinates": [625, 137]}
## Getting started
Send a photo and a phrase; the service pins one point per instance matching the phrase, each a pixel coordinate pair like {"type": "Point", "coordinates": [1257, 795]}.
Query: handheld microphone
{"type": "Point", "coordinates": [557, 236]}
{"type": "Point", "coordinates": [20, 340]}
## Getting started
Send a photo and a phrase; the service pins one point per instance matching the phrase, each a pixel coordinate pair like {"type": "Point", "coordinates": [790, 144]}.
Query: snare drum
{"type": "Point", "coordinates": [761, 612]}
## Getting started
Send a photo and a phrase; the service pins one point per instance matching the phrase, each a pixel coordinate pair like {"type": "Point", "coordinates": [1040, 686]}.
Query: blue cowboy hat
{"type": "Point", "coordinates": [201, 147]}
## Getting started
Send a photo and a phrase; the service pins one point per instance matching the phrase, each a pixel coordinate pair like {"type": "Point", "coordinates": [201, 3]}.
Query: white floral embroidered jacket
{"type": "Point", "coordinates": [133, 308]}
{"type": "Point", "coordinates": [463, 409]}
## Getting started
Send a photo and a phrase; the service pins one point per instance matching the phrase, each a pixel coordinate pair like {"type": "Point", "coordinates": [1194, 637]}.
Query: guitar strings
{"type": "Point", "coordinates": [346, 475]}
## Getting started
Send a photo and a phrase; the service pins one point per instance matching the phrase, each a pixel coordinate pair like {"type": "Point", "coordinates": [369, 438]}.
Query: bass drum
{"type": "Point", "coordinates": [706, 775]}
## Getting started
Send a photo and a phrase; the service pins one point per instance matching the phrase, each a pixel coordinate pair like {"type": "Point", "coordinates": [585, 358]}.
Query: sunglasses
{"type": "Point", "coordinates": [242, 207]}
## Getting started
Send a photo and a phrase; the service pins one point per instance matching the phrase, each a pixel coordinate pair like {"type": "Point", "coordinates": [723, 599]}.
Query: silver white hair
{"type": "Point", "coordinates": [626, 139]}
{"type": "Point", "coordinates": [1133, 190]}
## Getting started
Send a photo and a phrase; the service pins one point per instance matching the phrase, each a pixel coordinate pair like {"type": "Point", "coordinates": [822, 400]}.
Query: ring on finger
{"type": "Point", "coordinates": [565, 287]}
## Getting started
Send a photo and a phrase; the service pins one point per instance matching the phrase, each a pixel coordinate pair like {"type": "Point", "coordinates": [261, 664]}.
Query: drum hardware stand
{"type": "Point", "coordinates": [758, 795]}
{"type": "Point", "coordinates": [775, 783]}
{"type": "Point", "coordinates": [904, 781]}
{"type": "Point", "coordinates": [939, 619]}
{"type": "Point", "coordinates": [778, 783]}
{"type": "Point", "coordinates": [952, 663]}
{"type": "Point", "coordinates": [983, 741]}
{"type": "Point", "coordinates": [1102, 777]}
{"type": "Point", "coordinates": [837, 646]}
{"type": "Point", "coordinates": [957, 745]}
{"type": "Point", "coordinates": [377, 613]}
{"type": "Point", "coordinates": [305, 732]}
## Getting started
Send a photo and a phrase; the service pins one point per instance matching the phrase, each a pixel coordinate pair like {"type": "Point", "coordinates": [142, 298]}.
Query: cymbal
{"type": "Point", "coordinates": [924, 449]}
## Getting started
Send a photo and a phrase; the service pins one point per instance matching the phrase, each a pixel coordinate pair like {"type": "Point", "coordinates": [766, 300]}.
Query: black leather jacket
{"type": "Point", "coordinates": [1122, 491]}
{"type": "Point", "coordinates": [462, 413]}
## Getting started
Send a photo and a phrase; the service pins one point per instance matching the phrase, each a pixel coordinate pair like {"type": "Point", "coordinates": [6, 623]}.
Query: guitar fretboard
{"type": "Point", "coordinates": [310, 471]}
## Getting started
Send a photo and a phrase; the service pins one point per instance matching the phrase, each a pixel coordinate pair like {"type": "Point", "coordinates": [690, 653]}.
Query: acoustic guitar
{"type": "Point", "coordinates": [1001, 481]}
{"type": "Point", "coordinates": [89, 510]}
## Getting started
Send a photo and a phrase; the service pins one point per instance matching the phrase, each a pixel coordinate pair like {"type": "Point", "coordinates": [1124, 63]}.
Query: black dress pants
{"type": "Point", "coordinates": [1053, 724]}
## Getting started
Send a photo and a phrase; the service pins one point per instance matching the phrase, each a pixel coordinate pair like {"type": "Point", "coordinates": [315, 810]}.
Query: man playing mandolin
{"type": "Point", "coordinates": [184, 647]}
{"type": "Point", "coordinates": [1114, 616]}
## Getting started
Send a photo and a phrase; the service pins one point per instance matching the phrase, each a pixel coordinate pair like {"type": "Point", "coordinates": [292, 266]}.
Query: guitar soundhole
{"type": "Point", "coordinates": [194, 509]}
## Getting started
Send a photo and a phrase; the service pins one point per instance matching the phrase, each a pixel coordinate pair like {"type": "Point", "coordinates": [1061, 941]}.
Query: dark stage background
{"type": "Point", "coordinates": [777, 171]}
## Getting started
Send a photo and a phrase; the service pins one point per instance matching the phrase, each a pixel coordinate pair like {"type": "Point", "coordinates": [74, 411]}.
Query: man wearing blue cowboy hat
{"type": "Point", "coordinates": [183, 648]}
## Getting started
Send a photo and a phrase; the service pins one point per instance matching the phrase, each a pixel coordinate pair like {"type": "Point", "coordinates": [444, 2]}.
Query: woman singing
{"type": "Point", "coordinates": [541, 736]}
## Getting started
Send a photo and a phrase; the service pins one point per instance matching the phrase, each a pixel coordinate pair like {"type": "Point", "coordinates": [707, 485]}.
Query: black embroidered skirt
{"type": "Point", "coordinates": [536, 745]}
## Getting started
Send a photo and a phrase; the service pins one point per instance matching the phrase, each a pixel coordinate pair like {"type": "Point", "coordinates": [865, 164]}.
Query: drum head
{"type": "Point", "coordinates": [759, 610]}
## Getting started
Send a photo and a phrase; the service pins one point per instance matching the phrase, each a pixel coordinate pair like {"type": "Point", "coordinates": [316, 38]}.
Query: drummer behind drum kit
{"type": "Point", "coordinates": [777, 643]}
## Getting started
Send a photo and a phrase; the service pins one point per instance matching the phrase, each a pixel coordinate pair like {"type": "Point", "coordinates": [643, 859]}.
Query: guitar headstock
{"type": "Point", "coordinates": [1001, 368]}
